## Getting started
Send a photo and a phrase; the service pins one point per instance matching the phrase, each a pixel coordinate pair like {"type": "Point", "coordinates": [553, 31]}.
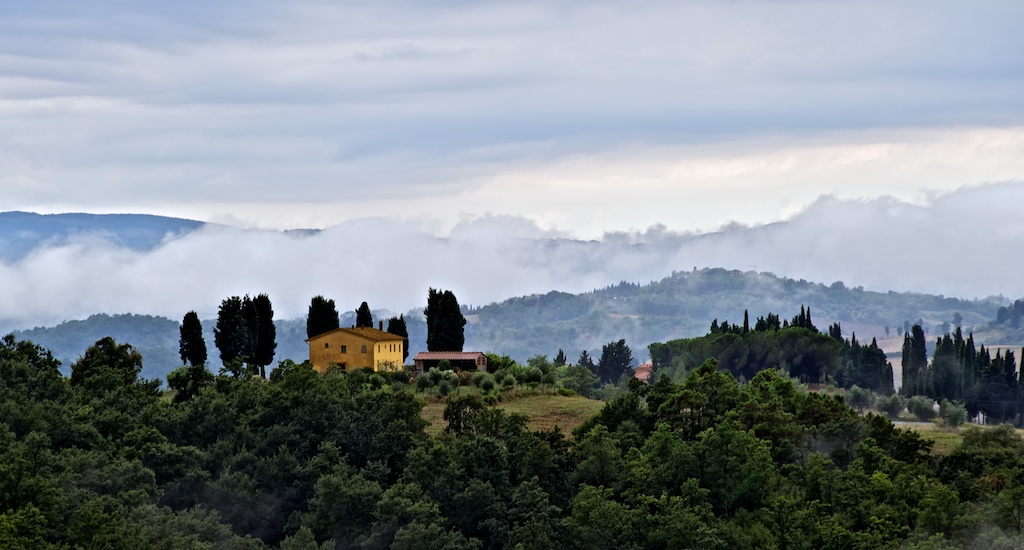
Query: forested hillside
{"type": "Point", "coordinates": [304, 460]}
{"type": "Point", "coordinates": [679, 306]}
{"type": "Point", "coordinates": [685, 303]}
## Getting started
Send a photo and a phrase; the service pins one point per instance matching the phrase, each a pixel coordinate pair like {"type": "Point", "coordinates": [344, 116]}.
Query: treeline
{"type": "Point", "coordinates": [961, 372]}
{"type": "Point", "coordinates": [795, 346]}
{"type": "Point", "coordinates": [303, 460]}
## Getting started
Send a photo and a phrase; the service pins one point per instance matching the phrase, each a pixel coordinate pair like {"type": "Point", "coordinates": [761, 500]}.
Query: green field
{"type": "Point", "coordinates": [544, 411]}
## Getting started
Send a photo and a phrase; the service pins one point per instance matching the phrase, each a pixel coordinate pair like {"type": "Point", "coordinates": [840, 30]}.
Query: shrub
{"type": "Point", "coordinates": [401, 376]}
{"type": "Point", "coordinates": [423, 383]}
{"type": "Point", "coordinates": [508, 382]}
{"type": "Point", "coordinates": [487, 385]}
{"type": "Point", "coordinates": [922, 407]}
{"type": "Point", "coordinates": [892, 405]}
{"type": "Point", "coordinates": [436, 375]}
{"type": "Point", "coordinates": [860, 398]}
{"type": "Point", "coordinates": [376, 381]}
{"type": "Point", "coordinates": [954, 413]}
{"type": "Point", "coordinates": [444, 365]}
{"type": "Point", "coordinates": [444, 387]}
{"type": "Point", "coordinates": [533, 375]}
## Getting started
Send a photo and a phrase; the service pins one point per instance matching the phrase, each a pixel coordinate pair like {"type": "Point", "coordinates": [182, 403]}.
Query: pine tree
{"type": "Point", "coordinates": [364, 319]}
{"type": "Point", "coordinates": [191, 345]}
{"type": "Point", "coordinates": [322, 317]}
{"type": "Point", "coordinates": [616, 360]}
{"type": "Point", "coordinates": [560, 358]}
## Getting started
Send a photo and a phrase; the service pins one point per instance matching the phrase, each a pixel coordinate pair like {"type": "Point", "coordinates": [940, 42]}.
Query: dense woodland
{"type": "Point", "coordinates": [104, 459]}
{"type": "Point", "coordinates": [795, 346]}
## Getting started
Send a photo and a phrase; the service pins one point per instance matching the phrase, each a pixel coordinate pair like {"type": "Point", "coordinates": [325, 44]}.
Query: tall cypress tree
{"type": "Point", "coordinates": [229, 334]}
{"type": "Point", "coordinates": [363, 316]}
{"type": "Point", "coordinates": [322, 316]}
{"type": "Point", "coordinates": [266, 333]}
{"type": "Point", "coordinates": [191, 345]}
{"type": "Point", "coordinates": [445, 322]}
{"type": "Point", "coordinates": [396, 326]}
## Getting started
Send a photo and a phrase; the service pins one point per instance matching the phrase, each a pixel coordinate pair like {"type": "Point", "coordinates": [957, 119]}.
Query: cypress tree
{"type": "Point", "coordinates": [191, 345]}
{"type": "Point", "coordinates": [266, 333]}
{"type": "Point", "coordinates": [364, 319]}
{"type": "Point", "coordinates": [445, 322]}
{"type": "Point", "coordinates": [322, 317]}
{"type": "Point", "coordinates": [229, 334]}
{"type": "Point", "coordinates": [396, 326]}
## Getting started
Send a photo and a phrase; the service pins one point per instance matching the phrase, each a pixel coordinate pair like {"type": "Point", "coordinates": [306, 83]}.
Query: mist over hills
{"type": "Point", "coordinates": [23, 232]}
{"type": "Point", "coordinates": [66, 267]}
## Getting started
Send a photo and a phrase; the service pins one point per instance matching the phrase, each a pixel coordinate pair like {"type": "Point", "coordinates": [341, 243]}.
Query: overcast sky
{"type": "Point", "coordinates": [582, 117]}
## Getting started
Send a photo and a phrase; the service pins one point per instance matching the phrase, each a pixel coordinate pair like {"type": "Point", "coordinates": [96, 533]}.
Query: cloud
{"type": "Point", "coordinates": [130, 104]}
{"type": "Point", "coordinates": [961, 244]}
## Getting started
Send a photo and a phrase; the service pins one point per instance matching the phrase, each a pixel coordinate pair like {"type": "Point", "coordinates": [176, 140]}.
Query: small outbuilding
{"type": "Point", "coordinates": [462, 360]}
{"type": "Point", "coordinates": [643, 372]}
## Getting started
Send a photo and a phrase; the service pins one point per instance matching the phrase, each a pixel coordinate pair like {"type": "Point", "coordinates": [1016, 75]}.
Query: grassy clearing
{"type": "Point", "coordinates": [543, 411]}
{"type": "Point", "coordinates": [946, 439]}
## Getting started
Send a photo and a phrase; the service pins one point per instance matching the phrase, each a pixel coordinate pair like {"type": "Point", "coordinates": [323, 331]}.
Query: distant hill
{"type": "Point", "coordinates": [684, 304]}
{"type": "Point", "coordinates": [21, 232]}
{"type": "Point", "coordinates": [681, 305]}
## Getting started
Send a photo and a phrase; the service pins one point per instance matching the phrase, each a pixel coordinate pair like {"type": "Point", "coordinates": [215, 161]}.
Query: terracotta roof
{"type": "Point", "coordinates": [643, 372]}
{"type": "Point", "coordinates": [449, 355]}
{"type": "Point", "coordinates": [368, 333]}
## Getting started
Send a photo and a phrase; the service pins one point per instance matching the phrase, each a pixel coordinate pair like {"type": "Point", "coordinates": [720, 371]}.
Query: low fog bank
{"type": "Point", "coordinates": [962, 244]}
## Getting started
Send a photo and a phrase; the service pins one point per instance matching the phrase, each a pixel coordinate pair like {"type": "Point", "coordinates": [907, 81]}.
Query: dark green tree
{"type": "Point", "coordinates": [445, 322]}
{"type": "Point", "coordinates": [396, 326]}
{"type": "Point", "coordinates": [915, 363]}
{"type": "Point", "coordinates": [586, 360]}
{"type": "Point", "coordinates": [191, 345]}
{"type": "Point", "coordinates": [322, 316]}
{"type": "Point", "coordinates": [188, 381]}
{"type": "Point", "coordinates": [231, 335]}
{"type": "Point", "coordinates": [364, 319]}
{"type": "Point", "coordinates": [560, 358]}
{"type": "Point", "coordinates": [266, 333]}
{"type": "Point", "coordinates": [106, 366]}
{"type": "Point", "coordinates": [616, 360]}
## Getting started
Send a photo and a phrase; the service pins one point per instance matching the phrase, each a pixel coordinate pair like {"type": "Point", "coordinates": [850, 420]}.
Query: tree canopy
{"type": "Point", "coordinates": [322, 316]}
{"type": "Point", "coordinates": [191, 345]}
{"type": "Point", "coordinates": [364, 318]}
{"type": "Point", "coordinates": [445, 322]}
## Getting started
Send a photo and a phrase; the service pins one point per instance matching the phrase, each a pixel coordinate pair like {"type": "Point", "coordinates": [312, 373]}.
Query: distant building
{"type": "Point", "coordinates": [462, 360]}
{"type": "Point", "coordinates": [643, 372]}
{"type": "Point", "coordinates": [356, 348]}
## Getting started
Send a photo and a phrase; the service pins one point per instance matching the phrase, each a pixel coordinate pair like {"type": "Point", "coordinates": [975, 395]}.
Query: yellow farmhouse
{"type": "Point", "coordinates": [356, 348]}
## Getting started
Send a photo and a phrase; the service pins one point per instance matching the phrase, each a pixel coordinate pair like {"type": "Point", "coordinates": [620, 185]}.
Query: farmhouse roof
{"type": "Point", "coordinates": [367, 333]}
{"type": "Point", "coordinates": [449, 355]}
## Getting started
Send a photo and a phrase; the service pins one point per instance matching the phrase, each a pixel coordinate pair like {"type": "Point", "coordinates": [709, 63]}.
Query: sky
{"type": "Point", "coordinates": [502, 148]}
{"type": "Point", "coordinates": [581, 117]}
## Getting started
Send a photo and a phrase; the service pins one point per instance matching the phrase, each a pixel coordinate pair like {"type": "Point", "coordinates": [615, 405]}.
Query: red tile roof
{"type": "Point", "coordinates": [643, 372]}
{"type": "Point", "coordinates": [449, 355]}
